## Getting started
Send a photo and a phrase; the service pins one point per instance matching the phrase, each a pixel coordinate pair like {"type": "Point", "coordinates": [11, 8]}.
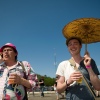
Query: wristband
{"type": "Point", "coordinates": [89, 66]}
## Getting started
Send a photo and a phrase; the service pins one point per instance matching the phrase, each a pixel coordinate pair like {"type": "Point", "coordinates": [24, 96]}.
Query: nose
{"type": "Point", "coordinates": [72, 45]}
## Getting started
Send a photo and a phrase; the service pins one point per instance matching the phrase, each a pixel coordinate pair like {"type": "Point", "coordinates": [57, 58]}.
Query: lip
{"type": "Point", "coordinates": [6, 56]}
{"type": "Point", "coordinates": [73, 49]}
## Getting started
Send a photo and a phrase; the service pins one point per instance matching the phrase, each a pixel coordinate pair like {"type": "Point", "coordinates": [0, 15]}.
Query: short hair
{"type": "Point", "coordinates": [71, 38]}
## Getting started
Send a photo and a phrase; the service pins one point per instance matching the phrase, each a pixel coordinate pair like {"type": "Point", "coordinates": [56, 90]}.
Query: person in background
{"type": "Point", "coordinates": [68, 77]}
{"type": "Point", "coordinates": [14, 80]}
{"type": "Point", "coordinates": [41, 83]}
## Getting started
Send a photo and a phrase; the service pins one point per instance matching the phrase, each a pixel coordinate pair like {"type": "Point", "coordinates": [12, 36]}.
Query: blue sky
{"type": "Point", "coordinates": [35, 27]}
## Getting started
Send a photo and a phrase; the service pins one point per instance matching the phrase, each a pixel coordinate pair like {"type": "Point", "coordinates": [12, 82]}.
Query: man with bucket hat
{"type": "Point", "coordinates": [15, 76]}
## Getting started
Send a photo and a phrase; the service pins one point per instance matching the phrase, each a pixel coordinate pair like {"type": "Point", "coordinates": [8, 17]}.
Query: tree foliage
{"type": "Point", "coordinates": [47, 80]}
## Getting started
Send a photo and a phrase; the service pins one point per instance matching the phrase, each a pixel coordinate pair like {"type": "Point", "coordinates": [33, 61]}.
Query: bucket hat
{"type": "Point", "coordinates": [9, 45]}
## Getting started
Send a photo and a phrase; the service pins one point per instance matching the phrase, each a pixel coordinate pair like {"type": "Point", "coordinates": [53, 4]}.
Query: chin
{"type": "Point", "coordinates": [73, 53]}
{"type": "Point", "coordinates": [5, 59]}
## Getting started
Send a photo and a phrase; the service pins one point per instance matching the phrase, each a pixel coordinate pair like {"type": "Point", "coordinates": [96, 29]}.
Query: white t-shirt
{"type": "Point", "coordinates": [76, 92]}
{"type": "Point", "coordinates": [65, 69]}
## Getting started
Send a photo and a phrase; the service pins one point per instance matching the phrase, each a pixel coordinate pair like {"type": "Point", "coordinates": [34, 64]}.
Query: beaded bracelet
{"type": "Point", "coordinates": [89, 66]}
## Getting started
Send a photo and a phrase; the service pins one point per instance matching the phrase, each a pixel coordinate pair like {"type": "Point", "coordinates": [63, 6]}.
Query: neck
{"type": "Point", "coordinates": [10, 63]}
{"type": "Point", "coordinates": [77, 58]}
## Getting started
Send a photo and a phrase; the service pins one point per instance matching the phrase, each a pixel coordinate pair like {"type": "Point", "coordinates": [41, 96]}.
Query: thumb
{"type": "Point", "coordinates": [87, 53]}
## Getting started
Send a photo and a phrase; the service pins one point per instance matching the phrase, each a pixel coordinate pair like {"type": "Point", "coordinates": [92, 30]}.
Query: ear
{"type": "Point", "coordinates": [80, 46]}
{"type": "Point", "coordinates": [16, 54]}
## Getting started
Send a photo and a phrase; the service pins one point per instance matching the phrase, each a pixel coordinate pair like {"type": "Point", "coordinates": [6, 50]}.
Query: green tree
{"type": "Point", "coordinates": [47, 80]}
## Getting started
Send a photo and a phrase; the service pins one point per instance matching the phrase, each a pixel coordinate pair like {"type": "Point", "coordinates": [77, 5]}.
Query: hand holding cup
{"type": "Point", "coordinates": [14, 79]}
{"type": "Point", "coordinates": [75, 76]}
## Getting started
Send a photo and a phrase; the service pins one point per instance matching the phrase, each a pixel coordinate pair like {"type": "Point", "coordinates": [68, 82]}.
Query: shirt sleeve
{"type": "Point", "coordinates": [30, 73]}
{"type": "Point", "coordinates": [60, 70]}
{"type": "Point", "coordinates": [94, 67]}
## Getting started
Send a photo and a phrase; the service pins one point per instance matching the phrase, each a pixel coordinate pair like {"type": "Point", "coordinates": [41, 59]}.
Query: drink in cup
{"type": "Point", "coordinates": [80, 80]}
{"type": "Point", "coordinates": [10, 80]}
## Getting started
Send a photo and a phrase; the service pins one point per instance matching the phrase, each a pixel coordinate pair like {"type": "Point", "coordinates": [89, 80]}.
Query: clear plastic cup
{"type": "Point", "coordinates": [80, 80]}
{"type": "Point", "coordinates": [11, 81]}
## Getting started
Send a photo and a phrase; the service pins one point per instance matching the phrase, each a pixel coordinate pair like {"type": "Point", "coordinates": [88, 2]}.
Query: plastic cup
{"type": "Point", "coordinates": [79, 81]}
{"type": "Point", "coordinates": [11, 81]}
